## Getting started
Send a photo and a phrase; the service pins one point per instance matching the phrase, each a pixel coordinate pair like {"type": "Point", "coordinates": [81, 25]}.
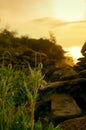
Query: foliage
{"type": "Point", "coordinates": [14, 87]}
{"type": "Point", "coordinates": [51, 126]}
{"type": "Point", "coordinates": [9, 39]}
{"type": "Point", "coordinates": [38, 125]}
{"type": "Point", "coordinates": [58, 128]}
{"type": "Point", "coordinates": [18, 90]}
{"type": "Point", "coordinates": [6, 100]}
{"type": "Point", "coordinates": [32, 85]}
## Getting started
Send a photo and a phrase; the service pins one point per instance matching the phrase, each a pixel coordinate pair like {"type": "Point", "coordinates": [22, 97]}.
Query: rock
{"type": "Point", "coordinates": [81, 64]}
{"type": "Point", "coordinates": [82, 73]}
{"type": "Point", "coordinates": [74, 124]}
{"type": "Point", "coordinates": [83, 49]}
{"type": "Point", "coordinates": [63, 105]}
{"type": "Point", "coordinates": [63, 99]}
{"type": "Point", "coordinates": [68, 86]}
{"type": "Point", "coordinates": [63, 73]}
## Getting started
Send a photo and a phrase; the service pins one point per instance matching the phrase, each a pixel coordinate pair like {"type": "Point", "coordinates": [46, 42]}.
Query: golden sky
{"type": "Point", "coordinates": [65, 18]}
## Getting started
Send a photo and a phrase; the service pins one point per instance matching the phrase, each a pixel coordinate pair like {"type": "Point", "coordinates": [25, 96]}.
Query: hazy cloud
{"type": "Point", "coordinates": [55, 23]}
{"type": "Point", "coordinates": [49, 21]}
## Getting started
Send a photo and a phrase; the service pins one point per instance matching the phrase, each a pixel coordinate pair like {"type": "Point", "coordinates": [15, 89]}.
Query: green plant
{"type": "Point", "coordinates": [6, 99]}
{"type": "Point", "coordinates": [58, 128]}
{"type": "Point", "coordinates": [38, 125]}
{"type": "Point", "coordinates": [32, 85]}
{"type": "Point", "coordinates": [21, 120]}
{"type": "Point", "coordinates": [17, 88]}
{"type": "Point", "coordinates": [51, 126]}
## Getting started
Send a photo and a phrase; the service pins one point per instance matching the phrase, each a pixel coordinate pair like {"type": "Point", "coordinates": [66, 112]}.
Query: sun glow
{"type": "Point", "coordinates": [75, 52]}
{"type": "Point", "coordinates": [70, 10]}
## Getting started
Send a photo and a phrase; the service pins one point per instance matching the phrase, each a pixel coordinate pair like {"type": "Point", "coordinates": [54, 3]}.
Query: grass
{"type": "Point", "coordinates": [16, 91]}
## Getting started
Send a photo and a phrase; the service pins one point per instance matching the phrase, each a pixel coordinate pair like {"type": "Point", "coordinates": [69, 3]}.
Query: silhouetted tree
{"type": "Point", "coordinates": [22, 44]}
{"type": "Point", "coordinates": [52, 37]}
{"type": "Point", "coordinates": [6, 38]}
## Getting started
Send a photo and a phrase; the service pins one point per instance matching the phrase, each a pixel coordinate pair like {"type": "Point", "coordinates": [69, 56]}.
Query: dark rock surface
{"type": "Point", "coordinates": [63, 105]}
{"type": "Point", "coordinates": [74, 124]}
{"type": "Point", "coordinates": [56, 105]}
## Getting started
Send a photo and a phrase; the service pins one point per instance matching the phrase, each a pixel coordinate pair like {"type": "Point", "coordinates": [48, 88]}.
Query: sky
{"type": "Point", "coordinates": [36, 18]}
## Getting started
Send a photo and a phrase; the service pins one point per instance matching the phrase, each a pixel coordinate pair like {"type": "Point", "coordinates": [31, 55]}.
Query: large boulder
{"type": "Point", "coordinates": [63, 99]}
{"type": "Point", "coordinates": [82, 73]}
{"type": "Point", "coordinates": [81, 64]}
{"type": "Point", "coordinates": [74, 124]}
{"type": "Point", "coordinates": [64, 72]}
{"type": "Point", "coordinates": [63, 105]}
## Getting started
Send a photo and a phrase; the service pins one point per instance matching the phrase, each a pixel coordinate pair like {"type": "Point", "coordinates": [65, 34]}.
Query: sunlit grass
{"type": "Point", "coordinates": [16, 90]}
